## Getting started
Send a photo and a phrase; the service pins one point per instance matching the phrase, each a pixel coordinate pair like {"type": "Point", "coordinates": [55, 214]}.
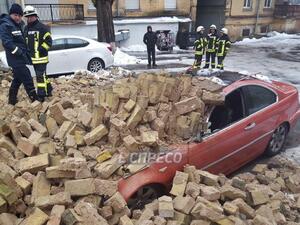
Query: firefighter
{"type": "Point", "coordinates": [150, 40]}
{"type": "Point", "coordinates": [212, 38]}
{"type": "Point", "coordinates": [39, 42]}
{"type": "Point", "coordinates": [199, 47]}
{"type": "Point", "coordinates": [223, 46]}
{"type": "Point", "coordinates": [17, 53]}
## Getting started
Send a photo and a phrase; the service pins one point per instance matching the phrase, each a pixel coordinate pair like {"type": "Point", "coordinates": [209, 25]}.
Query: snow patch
{"type": "Point", "coordinates": [134, 48]}
{"type": "Point", "coordinates": [121, 58]}
{"type": "Point", "coordinates": [173, 19]}
{"type": "Point", "coordinates": [280, 38]}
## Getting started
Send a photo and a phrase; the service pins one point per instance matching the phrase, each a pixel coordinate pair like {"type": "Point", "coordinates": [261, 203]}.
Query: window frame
{"type": "Point", "coordinates": [268, 4]}
{"type": "Point", "coordinates": [91, 6]}
{"type": "Point", "coordinates": [133, 9]}
{"type": "Point", "coordinates": [170, 9]}
{"type": "Point", "coordinates": [247, 4]}
{"type": "Point", "coordinates": [232, 124]}
{"type": "Point", "coordinates": [244, 105]}
{"type": "Point", "coordinates": [65, 44]}
{"type": "Point", "coordinates": [245, 91]}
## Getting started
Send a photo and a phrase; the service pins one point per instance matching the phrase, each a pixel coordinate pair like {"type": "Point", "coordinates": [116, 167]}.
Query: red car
{"type": "Point", "coordinates": [255, 119]}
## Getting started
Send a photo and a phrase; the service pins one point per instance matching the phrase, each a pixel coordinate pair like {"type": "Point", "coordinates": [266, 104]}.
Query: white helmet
{"type": "Point", "coordinates": [224, 30]}
{"type": "Point", "coordinates": [213, 26]}
{"type": "Point", "coordinates": [200, 28]}
{"type": "Point", "coordinates": [30, 11]}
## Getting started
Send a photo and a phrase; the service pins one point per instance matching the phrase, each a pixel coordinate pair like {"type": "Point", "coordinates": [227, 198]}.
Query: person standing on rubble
{"type": "Point", "coordinates": [17, 53]}
{"type": "Point", "coordinates": [199, 47]}
{"type": "Point", "coordinates": [150, 40]}
{"type": "Point", "coordinates": [39, 42]}
{"type": "Point", "coordinates": [212, 38]}
{"type": "Point", "coordinates": [223, 46]}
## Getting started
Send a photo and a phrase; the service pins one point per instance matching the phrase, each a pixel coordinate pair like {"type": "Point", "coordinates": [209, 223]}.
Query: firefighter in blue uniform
{"type": "Point", "coordinates": [199, 46]}
{"type": "Point", "coordinates": [39, 42]}
{"type": "Point", "coordinates": [212, 38]}
{"type": "Point", "coordinates": [17, 53]}
{"type": "Point", "coordinates": [223, 46]}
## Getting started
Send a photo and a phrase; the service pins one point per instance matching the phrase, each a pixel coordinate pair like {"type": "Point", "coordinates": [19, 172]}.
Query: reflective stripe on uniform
{"type": "Point", "coordinates": [46, 35]}
{"type": "Point", "coordinates": [15, 50]}
{"type": "Point", "coordinates": [45, 46]}
{"type": "Point", "coordinates": [40, 60]}
{"type": "Point", "coordinates": [36, 45]}
{"type": "Point", "coordinates": [41, 85]}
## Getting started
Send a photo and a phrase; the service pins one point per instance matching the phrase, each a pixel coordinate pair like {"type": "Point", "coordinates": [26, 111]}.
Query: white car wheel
{"type": "Point", "coordinates": [95, 65]}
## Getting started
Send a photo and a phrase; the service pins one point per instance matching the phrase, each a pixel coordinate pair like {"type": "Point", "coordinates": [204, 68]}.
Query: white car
{"type": "Point", "coordinates": [71, 53]}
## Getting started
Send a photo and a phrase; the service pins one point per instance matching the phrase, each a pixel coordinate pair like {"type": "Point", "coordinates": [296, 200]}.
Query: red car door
{"type": "Point", "coordinates": [240, 136]}
{"type": "Point", "coordinates": [262, 115]}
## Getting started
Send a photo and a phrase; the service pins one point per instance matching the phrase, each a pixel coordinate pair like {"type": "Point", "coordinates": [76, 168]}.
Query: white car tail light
{"type": "Point", "coordinates": [109, 47]}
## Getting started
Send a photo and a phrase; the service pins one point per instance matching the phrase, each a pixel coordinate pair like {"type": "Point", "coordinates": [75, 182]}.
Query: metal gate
{"type": "Point", "coordinates": [211, 12]}
{"type": "Point", "coordinates": [170, 4]}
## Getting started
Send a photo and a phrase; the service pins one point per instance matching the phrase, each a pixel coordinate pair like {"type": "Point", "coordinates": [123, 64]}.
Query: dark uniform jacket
{"type": "Point", "coordinates": [200, 45]}
{"type": "Point", "coordinates": [212, 42]}
{"type": "Point", "coordinates": [13, 42]}
{"type": "Point", "coordinates": [39, 41]}
{"type": "Point", "coordinates": [150, 39]}
{"type": "Point", "coordinates": [223, 45]}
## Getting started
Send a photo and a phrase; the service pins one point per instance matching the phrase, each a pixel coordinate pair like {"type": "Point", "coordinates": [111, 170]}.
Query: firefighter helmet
{"type": "Point", "coordinates": [224, 30]}
{"type": "Point", "coordinates": [200, 28]}
{"type": "Point", "coordinates": [213, 26]}
{"type": "Point", "coordinates": [30, 11]}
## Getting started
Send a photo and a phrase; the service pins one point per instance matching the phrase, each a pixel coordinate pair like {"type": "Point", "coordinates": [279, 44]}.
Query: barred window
{"type": "Point", "coordinates": [247, 3]}
{"type": "Point", "coordinates": [268, 3]}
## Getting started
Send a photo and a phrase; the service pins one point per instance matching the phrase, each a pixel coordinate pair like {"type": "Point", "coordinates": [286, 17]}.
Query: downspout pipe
{"type": "Point", "coordinates": [257, 16]}
{"type": "Point", "coordinates": [118, 10]}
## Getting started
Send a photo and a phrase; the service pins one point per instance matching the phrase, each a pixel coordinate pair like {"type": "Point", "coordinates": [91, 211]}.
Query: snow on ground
{"type": "Point", "coordinates": [277, 57]}
{"type": "Point", "coordinates": [121, 58]}
{"type": "Point", "coordinates": [134, 48]}
{"type": "Point", "coordinates": [150, 20]}
{"type": "Point", "coordinates": [272, 37]}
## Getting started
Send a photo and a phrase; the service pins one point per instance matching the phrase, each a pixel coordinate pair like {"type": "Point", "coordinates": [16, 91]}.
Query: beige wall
{"type": "Point", "coordinates": [147, 8]}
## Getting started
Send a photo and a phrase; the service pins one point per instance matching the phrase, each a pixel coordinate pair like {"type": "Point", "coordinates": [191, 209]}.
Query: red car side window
{"type": "Point", "coordinates": [257, 98]}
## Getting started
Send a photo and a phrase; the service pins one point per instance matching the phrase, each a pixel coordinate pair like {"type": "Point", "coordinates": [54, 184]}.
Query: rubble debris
{"type": "Point", "coordinates": [60, 160]}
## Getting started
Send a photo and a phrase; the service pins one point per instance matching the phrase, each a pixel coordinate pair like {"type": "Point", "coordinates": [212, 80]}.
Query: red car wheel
{"type": "Point", "coordinates": [278, 140]}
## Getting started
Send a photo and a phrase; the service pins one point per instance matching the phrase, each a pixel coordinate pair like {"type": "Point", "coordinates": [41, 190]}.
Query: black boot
{"type": "Point", "coordinates": [49, 90]}
{"type": "Point", "coordinates": [32, 96]}
{"type": "Point", "coordinates": [12, 97]}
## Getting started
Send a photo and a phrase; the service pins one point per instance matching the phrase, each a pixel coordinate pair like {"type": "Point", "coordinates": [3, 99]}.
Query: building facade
{"type": "Point", "coordinates": [246, 18]}
{"type": "Point", "coordinates": [243, 18]}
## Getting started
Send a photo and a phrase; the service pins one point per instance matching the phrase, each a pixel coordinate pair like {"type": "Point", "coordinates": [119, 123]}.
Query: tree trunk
{"type": "Point", "coordinates": [105, 26]}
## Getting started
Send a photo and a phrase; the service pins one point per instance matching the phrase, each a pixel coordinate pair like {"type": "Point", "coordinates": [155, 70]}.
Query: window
{"type": "Point", "coordinates": [132, 4]}
{"type": "Point", "coordinates": [246, 32]}
{"type": "Point", "coordinates": [257, 98]}
{"type": "Point", "coordinates": [58, 44]}
{"type": "Point", "coordinates": [268, 3]}
{"type": "Point", "coordinates": [263, 29]}
{"type": "Point", "coordinates": [247, 3]}
{"type": "Point", "coordinates": [170, 5]}
{"type": "Point", "coordinates": [76, 43]}
{"type": "Point", "coordinates": [91, 6]}
{"type": "Point", "coordinates": [229, 113]}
